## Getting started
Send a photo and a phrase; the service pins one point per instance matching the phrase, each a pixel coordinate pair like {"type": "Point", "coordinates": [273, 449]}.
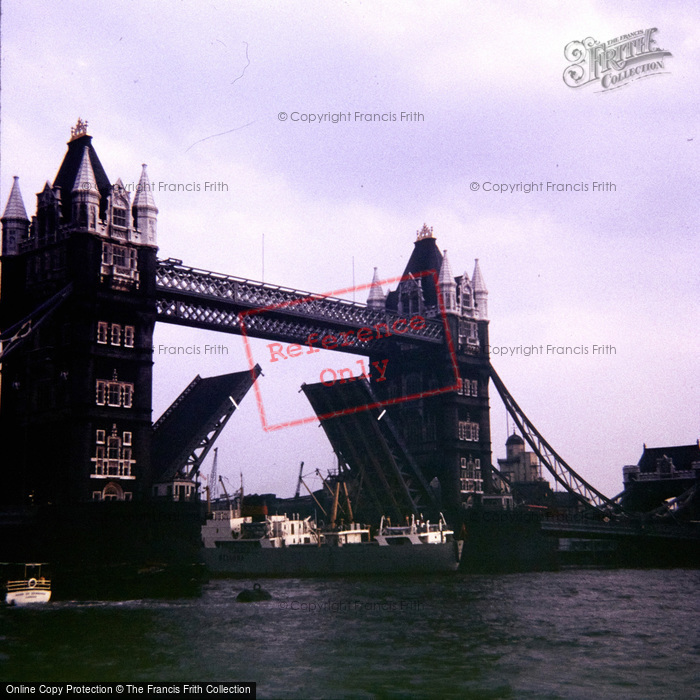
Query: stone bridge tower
{"type": "Point", "coordinates": [75, 401]}
{"type": "Point", "coordinates": [448, 433]}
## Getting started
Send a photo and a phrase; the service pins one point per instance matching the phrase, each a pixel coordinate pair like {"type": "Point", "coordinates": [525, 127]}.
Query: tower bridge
{"type": "Point", "coordinates": [213, 301]}
{"type": "Point", "coordinates": [82, 289]}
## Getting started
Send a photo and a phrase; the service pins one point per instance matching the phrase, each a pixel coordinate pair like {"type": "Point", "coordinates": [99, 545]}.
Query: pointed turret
{"type": "Point", "coordinates": [15, 223]}
{"type": "Point", "coordinates": [447, 284]}
{"type": "Point", "coordinates": [481, 294]}
{"type": "Point", "coordinates": [376, 298]}
{"type": "Point", "coordinates": [478, 279]}
{"type": "Point", "coordinates": [15, 204]}
{"type": "Point", "coordinates": [86, 195]}
{"type": "Point", "coordinates": [144, 209]}
{"type": "Point", "coordinates": [85, 179]}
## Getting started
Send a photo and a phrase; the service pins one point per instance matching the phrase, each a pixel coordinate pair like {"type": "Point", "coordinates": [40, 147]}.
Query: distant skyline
{"type": "Point", "coordinates": [606, 256]}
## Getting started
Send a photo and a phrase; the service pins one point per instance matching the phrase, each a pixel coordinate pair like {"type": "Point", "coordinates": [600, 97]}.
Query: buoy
{"type": "Point", "coordinates": [32, 582]}
{"type": "Point", "coordinates": [248, 596]}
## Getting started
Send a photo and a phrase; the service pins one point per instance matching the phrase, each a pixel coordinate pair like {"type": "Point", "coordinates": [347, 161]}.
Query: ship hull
{"type": "Point", "coordinates": [232, 559]}
{"type": "Point", "coordinates": [28, 596]}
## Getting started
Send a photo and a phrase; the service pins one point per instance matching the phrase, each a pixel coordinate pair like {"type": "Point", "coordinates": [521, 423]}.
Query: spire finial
{"type": "Point", "coordinates": [80, 129]}
{"type": "Point", "coordinates": [425, 232]}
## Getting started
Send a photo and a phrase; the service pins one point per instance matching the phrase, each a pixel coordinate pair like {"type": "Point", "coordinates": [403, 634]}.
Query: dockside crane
{"type": "Point", "coordinates": [213, 481]}
{"type": "Point", "coordinates": [223, 486]}
{"type": "Point", "coordinates": [299, 480]}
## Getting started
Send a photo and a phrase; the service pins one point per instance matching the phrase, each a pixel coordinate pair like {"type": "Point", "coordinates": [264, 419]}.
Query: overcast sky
{"type": "Point", "coordinates": [195, 89]}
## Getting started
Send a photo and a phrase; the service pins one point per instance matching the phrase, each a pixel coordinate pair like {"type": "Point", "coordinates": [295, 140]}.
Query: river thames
{"type": "Point", "coordinates": [571, 634]}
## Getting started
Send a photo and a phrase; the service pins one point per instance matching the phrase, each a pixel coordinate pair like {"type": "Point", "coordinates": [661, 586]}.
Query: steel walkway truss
{"type": "Point", "coordinates": [210, 300]}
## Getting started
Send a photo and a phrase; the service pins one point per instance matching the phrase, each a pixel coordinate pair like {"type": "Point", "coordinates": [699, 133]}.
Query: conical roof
{"type": "Point", "coordinates": [67, 173]}
{"type": "Point", "coordinates": [144, 193]}
{"type": "Point", "coordinates": [85, 179]}
{"type": "Point", "coordinates": [425, 257]}
{"type": "Point", "coordinates": [446, 276]}
{"type": "Point", "coordinates": [477, 278]}
{"type": "Point", "coordinates": [15, 204]}
{"type": "Point", "coordinates": [376, 293]}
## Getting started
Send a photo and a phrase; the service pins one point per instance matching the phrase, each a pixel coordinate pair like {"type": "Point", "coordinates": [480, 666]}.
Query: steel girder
{"type": "Point", "coordinates": [203, 299]}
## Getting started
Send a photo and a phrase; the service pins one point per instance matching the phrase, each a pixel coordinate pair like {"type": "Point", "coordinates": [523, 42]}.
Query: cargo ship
{"type": "Point", "coordinates": [281, 545]}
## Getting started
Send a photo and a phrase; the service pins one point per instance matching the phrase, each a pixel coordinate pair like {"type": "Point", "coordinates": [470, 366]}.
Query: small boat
{"type": "Point", "coordinates": [33, 588]}
{"type": "Point", "coordinates": [258, 593]}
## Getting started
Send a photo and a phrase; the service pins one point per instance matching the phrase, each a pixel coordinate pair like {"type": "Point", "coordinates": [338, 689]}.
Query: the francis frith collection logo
{"type": "Point", "coordinates": [614, 63]}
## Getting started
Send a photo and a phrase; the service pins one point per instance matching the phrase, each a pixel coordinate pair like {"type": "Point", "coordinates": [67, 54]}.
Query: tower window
{"type": "Point", "coordinates": [465, 387]}
{"type": "Point", "coordinates": [129, 336]}
{"type": "Point", "coordinates": [470, 476]}
{"type": "Point", "coordinates": [119, 217]}
{"type": "Point", "coordinates": [102, 329]}
{"type": "Point", "coordinates": [468, 431]}
{"type": "Point", "coordinates": [99, 459]}
{"type": "Point", "coordinates": [119, 260]}
{"type": "Point", "coordinates": [116, 334]}
{"type": "Point", "coordinates": [120, 256]}
{"type": "Point", "coordinates": [468, 332]}
{"type": "Point", "coordinates": [127, 392]}
{"type": "Point", "coordinates": [116, 460]}
{"type": "Point", "coordinates": [115, 394]}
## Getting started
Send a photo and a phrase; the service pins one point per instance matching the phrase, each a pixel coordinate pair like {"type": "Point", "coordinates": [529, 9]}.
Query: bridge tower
{"type": "Point", "coordinates": [448, 433]}
{"type": "Point", "coordinates": [75, 401]}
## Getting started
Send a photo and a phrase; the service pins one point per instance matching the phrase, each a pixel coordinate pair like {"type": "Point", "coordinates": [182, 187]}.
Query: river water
{"type": "Point", "coordinates": [571, 634]}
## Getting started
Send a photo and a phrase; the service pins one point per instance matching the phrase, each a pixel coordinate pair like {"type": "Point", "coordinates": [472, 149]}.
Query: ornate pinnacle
{"type": "Point", "coordinates": [425, 232]}
{"type": "Point", "coordinates": [80, 129]}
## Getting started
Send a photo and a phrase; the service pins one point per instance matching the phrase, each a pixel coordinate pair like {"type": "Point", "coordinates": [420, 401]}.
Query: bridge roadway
{"type": "Point", "coordinates": [632, 528]}
{"type": "Point", "coordinates": [187, 296]}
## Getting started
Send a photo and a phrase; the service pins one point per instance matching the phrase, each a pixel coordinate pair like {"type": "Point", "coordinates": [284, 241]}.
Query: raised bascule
{"type": "Point", "coordinates": [82, 289]}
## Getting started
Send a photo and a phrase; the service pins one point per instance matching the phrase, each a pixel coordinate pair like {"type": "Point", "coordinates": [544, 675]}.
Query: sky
{"type": "Point", "coordinates": [197, 90]}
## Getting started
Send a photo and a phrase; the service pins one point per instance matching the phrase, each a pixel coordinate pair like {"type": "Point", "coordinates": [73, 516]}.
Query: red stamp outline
{"type": "Point", "coordinates": [379, 404]}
